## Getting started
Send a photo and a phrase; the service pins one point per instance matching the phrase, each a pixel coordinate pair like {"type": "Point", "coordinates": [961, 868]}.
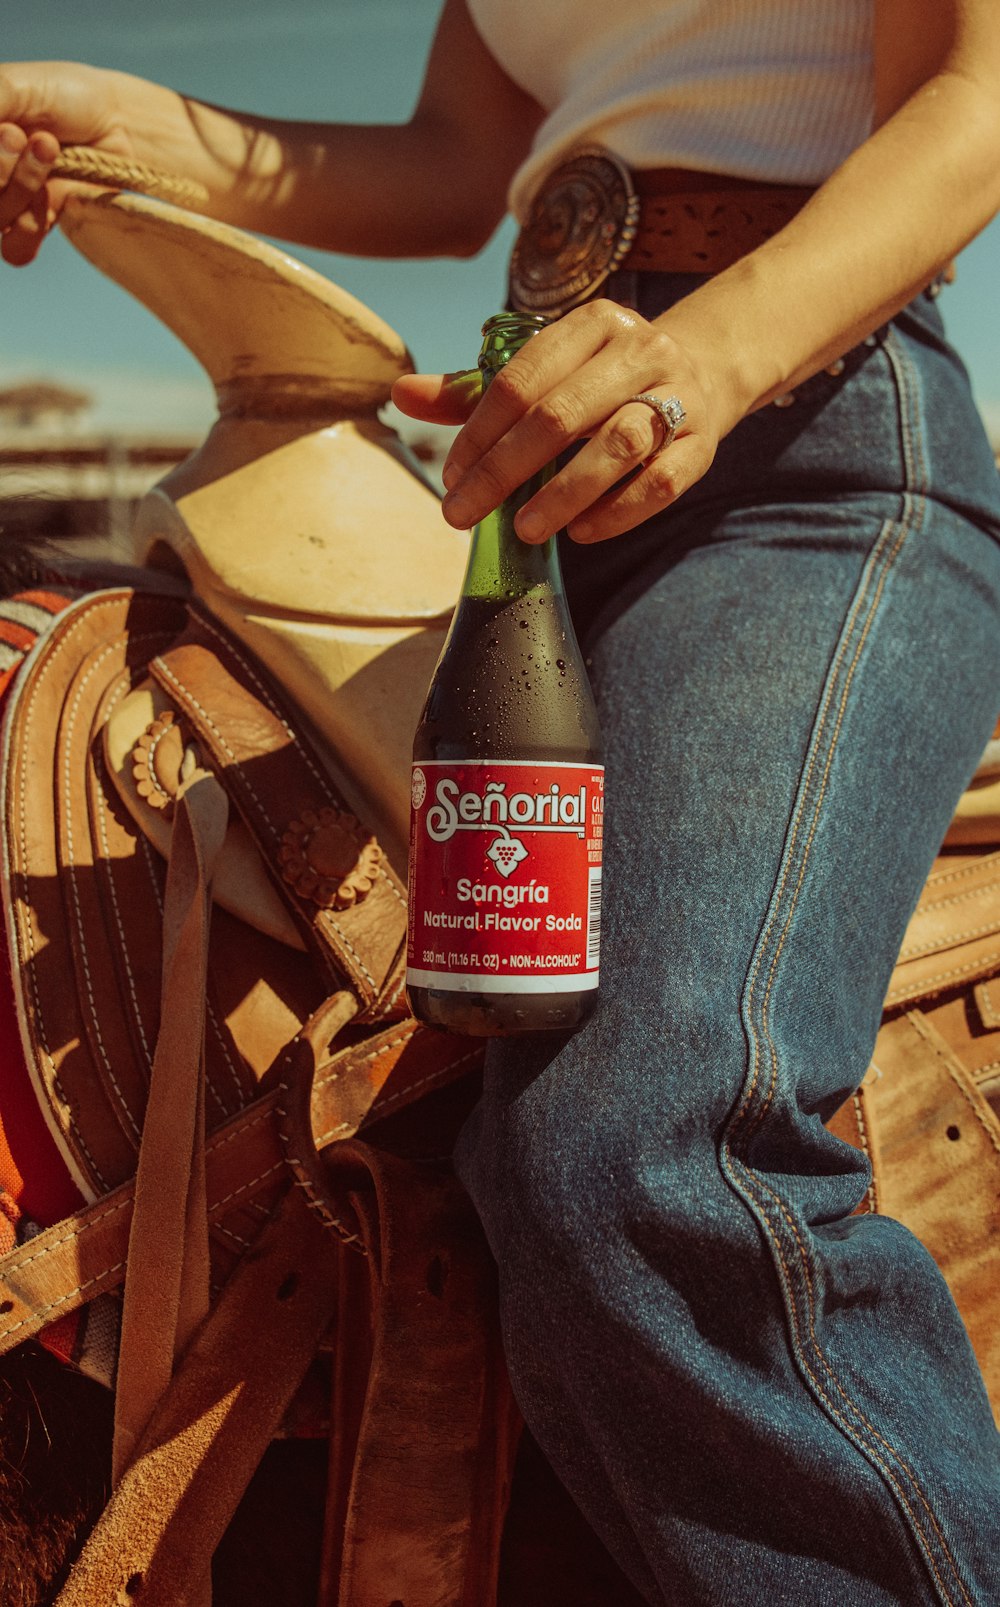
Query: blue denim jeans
{"type": "Point", "coordinates": [754, 1396]}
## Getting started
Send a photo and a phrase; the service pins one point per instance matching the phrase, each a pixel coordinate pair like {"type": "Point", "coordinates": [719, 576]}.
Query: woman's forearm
{"type": "Point", "coordinates": [432, 185]}
{"type": "Point", "coordinates": [369, 190]}
{"type": "Point", "coordinates": [881, 228]}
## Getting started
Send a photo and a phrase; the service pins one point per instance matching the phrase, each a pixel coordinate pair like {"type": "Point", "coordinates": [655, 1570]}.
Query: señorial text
{"type": "Point", "coordinates": [455, 810]}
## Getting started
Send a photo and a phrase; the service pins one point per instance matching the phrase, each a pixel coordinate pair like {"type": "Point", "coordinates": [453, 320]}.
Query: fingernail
{"type": "Point", "coordinates": [11, 140]}
{"type": "Point", "coordinates": [468, 382]}
{"type": "Point", "coordinates": [450, 476]}
{"type": "Point", "coordinates": [530, 526]}
{"type": "Point", "coordinates": [580, 530]}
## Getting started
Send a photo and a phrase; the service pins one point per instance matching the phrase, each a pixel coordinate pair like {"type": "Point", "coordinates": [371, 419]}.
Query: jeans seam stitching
{"type": "Point", "coordinates": [816, 812]}
{"type": "Point", "coordinates": [838, 688]}
{"type": "Point", "coordinates": [851, 1430]}
{"type": "Point", "coordinates": [911, 419]}
{"type": "Point", "coordinates": [843, 690]}
{"type": "Point", "coordinates": [859, 603]}
{"type": "Point", "coordinates": [871, 1193]}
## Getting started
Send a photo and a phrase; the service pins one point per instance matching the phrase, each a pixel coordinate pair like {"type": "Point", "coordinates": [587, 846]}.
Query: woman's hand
{"type": "Point", "coordinates": [44, 105]}
{"type": "Point", "coordinates": [572, 381]}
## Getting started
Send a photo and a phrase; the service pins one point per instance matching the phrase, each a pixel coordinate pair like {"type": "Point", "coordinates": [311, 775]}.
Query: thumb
{"type": "Point", "coordinates": [438, 398]}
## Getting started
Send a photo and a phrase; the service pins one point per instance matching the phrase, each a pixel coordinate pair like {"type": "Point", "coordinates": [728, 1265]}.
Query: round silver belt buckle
{"type": "Point", "coordinates": [581, 225]}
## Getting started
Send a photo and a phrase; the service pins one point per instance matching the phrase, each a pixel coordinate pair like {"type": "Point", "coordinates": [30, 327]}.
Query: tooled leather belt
{"type": "Point", "coordinates": [592, 216]}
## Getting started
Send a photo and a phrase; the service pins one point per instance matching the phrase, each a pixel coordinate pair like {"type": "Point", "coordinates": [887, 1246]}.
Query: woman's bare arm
{"type": "Point", "coordinates": [432, 186]}
{"type": "Point", "coordinates": [877, 232]}
{"type": "Point", "coordinates": [885, 224]}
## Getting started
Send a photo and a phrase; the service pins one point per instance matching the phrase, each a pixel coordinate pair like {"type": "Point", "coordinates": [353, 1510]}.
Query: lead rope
{"type": "Point", "coordinates": [121, 173]}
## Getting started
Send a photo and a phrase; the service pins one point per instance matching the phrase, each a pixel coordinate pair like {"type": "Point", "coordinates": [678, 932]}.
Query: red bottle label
{"type": "Point", "coordinates": [505, 876]}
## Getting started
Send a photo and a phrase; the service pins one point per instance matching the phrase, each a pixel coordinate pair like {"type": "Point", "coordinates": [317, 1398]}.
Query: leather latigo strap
{"type": "Point", "coordinates": [211, 1428]}
{"type": "Point", "coordinates": [360, 1083]}
{"type": "Point", "coordinates": [275, 777]}
{"type": "Point", "coordinates": [168, 1276]}
{"type": "Point", "coordinates": [429, 1428]}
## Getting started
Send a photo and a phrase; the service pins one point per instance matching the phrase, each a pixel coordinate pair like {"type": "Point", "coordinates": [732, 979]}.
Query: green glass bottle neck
{"type": "Point", "coordinates": [500, 564]}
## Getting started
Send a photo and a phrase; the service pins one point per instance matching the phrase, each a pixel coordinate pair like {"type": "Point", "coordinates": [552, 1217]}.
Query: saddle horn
{"type": "Point", "coordinates": [300, 522]}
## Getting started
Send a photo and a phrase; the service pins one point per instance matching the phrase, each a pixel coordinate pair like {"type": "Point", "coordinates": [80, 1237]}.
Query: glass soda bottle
{"type": "Point", "coordinates": [507, 794]}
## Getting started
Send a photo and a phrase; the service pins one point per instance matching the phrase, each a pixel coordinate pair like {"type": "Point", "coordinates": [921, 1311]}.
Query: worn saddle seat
{"type": "Point", "coordinates": [204, 804]}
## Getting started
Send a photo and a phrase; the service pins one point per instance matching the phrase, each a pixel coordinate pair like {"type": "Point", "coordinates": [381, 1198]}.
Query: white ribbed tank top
{"type": "Point", "coordinates": [777, 90]}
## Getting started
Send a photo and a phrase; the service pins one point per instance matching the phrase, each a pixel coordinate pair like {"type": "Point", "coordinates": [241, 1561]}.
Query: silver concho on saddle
{"type": "Point", "coordinates": [579, 229]}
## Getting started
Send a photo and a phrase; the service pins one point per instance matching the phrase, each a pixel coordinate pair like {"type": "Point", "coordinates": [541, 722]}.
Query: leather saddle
{"type": "Point", "coordinates": [203, 1080]}
{"type": "Point", "coordinates": [203, 801]}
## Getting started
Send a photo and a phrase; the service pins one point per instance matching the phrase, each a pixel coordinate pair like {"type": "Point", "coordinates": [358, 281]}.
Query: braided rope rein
{"type": "Point", "coordinates": [120, 173]}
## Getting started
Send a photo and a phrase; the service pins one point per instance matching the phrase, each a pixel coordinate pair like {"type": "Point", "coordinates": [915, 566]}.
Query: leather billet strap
{"type": "Point", "coordinates": [275, 777]}
{"type": "Point", "coordinates": [433, 1424]}
{"type": "Point", "coordinates": [84, 1255]}
{"type": "Point", "coordinates": [592, 215]}
{"type": "Point", "coordinates": [168, 1276]}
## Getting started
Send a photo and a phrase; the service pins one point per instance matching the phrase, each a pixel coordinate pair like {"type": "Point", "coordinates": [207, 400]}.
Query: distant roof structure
{"type": "Point", "coordinates": [35, 397]}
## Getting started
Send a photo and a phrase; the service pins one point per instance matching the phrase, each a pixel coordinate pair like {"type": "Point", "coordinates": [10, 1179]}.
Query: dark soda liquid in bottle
{"type": "Point", "coordinates": [508, 791]}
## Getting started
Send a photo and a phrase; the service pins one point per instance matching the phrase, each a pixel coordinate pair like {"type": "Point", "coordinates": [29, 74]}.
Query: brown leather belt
{"type": "Point", "coordinates": [592, 216]}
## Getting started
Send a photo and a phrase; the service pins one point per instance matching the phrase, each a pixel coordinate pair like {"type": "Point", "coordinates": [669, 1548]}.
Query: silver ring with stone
{"type": "Point", "coordinates": [671, 413]}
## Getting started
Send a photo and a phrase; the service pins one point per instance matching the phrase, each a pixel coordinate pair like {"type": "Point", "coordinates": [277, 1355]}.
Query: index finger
{"type": "Point", "coordinates": [543, 362]}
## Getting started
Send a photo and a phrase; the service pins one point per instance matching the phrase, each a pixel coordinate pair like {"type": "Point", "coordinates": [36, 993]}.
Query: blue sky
{"type": "Point", "coordinates": [353, 60]}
